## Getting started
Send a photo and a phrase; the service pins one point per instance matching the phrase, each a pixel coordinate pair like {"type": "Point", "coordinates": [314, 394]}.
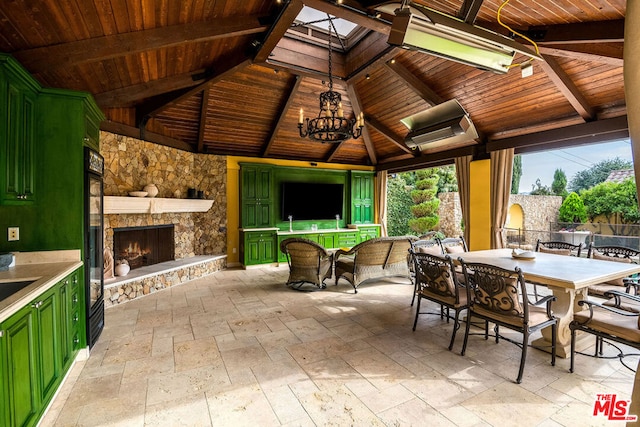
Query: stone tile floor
{"type": "Point", "coordinates": [240, 348]}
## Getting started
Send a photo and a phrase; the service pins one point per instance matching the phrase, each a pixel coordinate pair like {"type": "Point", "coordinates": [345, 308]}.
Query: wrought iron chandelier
{"type": "Point", "coordinates": [330, 126]}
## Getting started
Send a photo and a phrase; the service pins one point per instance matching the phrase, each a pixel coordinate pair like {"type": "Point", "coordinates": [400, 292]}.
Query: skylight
{"type": "Point", "coordinates": [311, 17]}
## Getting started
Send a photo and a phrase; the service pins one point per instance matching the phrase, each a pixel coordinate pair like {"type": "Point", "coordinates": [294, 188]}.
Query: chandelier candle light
{"type": "Point", "coordinates": [330, 125]}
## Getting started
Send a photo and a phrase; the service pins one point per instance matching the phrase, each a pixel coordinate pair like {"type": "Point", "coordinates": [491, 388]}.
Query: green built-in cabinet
{"type": "Point", "coordinates": [362, 195]}
{"type": "Point", "coordinates": [36, 349]}
{"type": "Point", "coordinates": [256, 183]}
{"type": "Point", "coordinates": [43, 132]}
{"type": "Point", "coordinates": [17, 137]}
{"type": "Point", "coordinates": [260, 210]}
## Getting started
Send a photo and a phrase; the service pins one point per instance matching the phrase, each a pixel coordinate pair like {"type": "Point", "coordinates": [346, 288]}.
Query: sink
{"type": "Point", "coordinates": [9, 288]}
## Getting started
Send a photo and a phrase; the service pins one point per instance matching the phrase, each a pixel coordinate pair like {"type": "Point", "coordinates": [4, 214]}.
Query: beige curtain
{"type": "Point", "coordinates": [501, 170]}
{"type": "Point", "coordinates": [462, 175]}
{"type": "Point", "coordinates": [381, 200]}
{"type": "Point", "coordinates": [631, 56]}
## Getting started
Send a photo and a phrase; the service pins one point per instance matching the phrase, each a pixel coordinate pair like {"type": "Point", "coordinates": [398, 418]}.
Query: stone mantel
{"type": "Point", "coordinates": [156, 205]}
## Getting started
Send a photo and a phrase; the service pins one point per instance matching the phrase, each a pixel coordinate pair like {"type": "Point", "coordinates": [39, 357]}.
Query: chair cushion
{"type": "Point", "coordinates": [446, 300]}
{"type": "Point", "coordinates": [537, 316]}
{"type": "Point", "coordinates": [625, 327]}
{"type": "Point", "coordinates": [554, 251]}
{"type": "Point", "coordinates": [625, 304]}
{"type": "Point", "coordinates": [432, 250]}
{"type": "Point", "coordinates": [454, 249]}
{"type": "Point", "coordinates": [617, 282]}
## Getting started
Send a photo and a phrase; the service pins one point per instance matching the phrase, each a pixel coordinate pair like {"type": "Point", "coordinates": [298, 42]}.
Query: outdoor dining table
{"type": "Point", "coordinates": [568, 278]}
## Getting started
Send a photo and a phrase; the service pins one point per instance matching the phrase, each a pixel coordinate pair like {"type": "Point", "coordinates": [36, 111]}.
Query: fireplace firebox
{"type": "Point", "coordinates": [146, 245]}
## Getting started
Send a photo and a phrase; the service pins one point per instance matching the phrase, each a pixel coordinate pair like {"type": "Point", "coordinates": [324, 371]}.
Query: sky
{"type": "Point", "coordinates": [570, 160]}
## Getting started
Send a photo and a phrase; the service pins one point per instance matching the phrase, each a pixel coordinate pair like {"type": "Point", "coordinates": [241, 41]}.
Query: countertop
{"type": "Point", "coordinates": [46, 267]}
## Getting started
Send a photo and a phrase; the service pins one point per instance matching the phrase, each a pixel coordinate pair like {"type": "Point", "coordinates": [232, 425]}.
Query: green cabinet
{"type": "Point", "coordinates": [258, 247]}
{"type": "Point", "coordinates": [17, 129]}
{"type": "Point", "coordinates": [362, 197]}
{"type": "Point", "coordinates": [347, 239]}
{"type": "Point", "coordinates": [31, 355]}
{"type": "Point", "coordinates": [37, 346]}
{"type": "Point", "coordinates": [256, 182]}
{"type": "Point", "coordinates": [70, 314]}
{"type": "Point", "coordinates": [368, 232]}
{"type": "Point", "coordinates": [327, 240]}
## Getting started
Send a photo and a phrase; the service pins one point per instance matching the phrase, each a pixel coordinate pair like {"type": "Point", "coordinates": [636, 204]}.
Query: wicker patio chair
{"type": "Point", "coordinates": [308, 262]}
{"type": "Point", "coordinates": [373, 259]}
{"type": "Point", "coordinates": [500, 296]}
{"type": "Point", "coordinates": [437, 281]}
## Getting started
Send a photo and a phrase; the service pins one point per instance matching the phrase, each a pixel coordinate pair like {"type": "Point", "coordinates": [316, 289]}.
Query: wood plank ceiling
{"type": "Point", "coordinates": [229, 77]}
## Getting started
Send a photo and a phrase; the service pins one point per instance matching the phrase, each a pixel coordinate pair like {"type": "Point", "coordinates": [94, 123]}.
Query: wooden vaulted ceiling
{"type": "Point", "coordinates": [225, 77]}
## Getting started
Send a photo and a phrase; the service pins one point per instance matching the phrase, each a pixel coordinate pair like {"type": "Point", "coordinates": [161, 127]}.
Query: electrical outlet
{"type": "Point", "coordinates": [14, 234]}
{"type": "Point", "coordinates": [234, 250]}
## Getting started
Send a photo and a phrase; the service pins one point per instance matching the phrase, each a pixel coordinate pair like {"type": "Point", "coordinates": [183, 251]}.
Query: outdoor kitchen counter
{"type": "Point", "coordinates": [45, 269]}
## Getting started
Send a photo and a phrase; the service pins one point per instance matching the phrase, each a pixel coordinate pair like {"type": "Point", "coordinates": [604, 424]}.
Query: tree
{"type": "Point", "coordinates": [399, 204]}
{"type": "Point", "coordinates": [517, 174]}
{"type": "Point", "coordinates": [559, 184]}
{"type": "Point", "coordinates": [540, 190]}
{"type": "Point", "coordinates": [425, 208]}
{"type": "Point", "coordinates": [597, 173]}
{"type": "Point", "coordinates": [573, 209]}
{"type": "Point", "coordinates": [611, 198]}
{"type": "Point", "coordinates": [447, 181]}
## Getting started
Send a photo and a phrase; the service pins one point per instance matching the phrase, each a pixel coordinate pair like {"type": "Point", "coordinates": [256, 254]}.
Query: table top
{"type": "Point", "coordinates": [555, 270]}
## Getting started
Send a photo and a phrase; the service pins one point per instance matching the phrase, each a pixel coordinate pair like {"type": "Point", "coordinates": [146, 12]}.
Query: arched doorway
{"type": "Point", "coordinates": [515, 225]}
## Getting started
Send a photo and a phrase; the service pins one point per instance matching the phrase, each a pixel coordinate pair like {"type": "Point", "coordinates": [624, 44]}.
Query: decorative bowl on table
{"type": "Point", "coordinates": [521, 254]}
{"type": "Point", "coordinates": [138, 193]}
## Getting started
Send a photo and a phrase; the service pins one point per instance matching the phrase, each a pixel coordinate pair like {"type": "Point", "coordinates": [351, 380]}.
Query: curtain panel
{"type": "Point", "coordinates": [381, 200]}
{"type": "Point", "coordinates": [462, 175]}
{"type": "Point", "coordinates": [501, 170]}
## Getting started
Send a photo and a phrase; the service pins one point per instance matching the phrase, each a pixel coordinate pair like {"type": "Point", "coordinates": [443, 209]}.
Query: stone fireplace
{"type": "Point", "coordinates": [147, 245]}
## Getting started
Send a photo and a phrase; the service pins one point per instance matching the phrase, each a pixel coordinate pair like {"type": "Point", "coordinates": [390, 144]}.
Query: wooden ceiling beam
{"type": "Point", "coordinates": [610, 54]}
{"type": "Point", "coordinates": [155, 105]}
{"type": "Point", "coordinates": [580, 134]}
{"type": "Point", "coordinates": [295, 54]}
{"type": "Point", "coordinates": [283, 22]}
{"type": "Point", "coordinates": [417, 85]}
{"type": "Point", "coordinates": [293, 90]}
{"type": "Point", "coordinates": [389, 134]}
{"type": "Point", "coordinates": [128, 96]}
{"type": "Point", "coordinates": [357, 109]}
{"type": "Point", "coordinates": [108, 47]}
{"type": "Point", "coordinates": [469, 10]}
{"type": "Point", "coordinates": [203, 119]}
{"type": "Point", "coordinates": [134, 132]}
{"type": "Point", "coordinates": [580, 32]}
{"type": "Point", "coordinates": [566, 86]}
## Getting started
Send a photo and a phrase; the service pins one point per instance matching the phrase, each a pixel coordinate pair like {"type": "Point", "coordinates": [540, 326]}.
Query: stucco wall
{"type": "Point", "coordinates": [131, 163]}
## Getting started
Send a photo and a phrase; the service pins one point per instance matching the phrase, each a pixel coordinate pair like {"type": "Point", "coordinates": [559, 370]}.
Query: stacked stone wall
{"type": "Point", "coordinates": [131, 164]}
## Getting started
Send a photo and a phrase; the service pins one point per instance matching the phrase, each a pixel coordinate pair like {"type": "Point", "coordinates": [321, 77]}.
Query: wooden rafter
{"type": "Point", "coordinates": [282, 24]}
{"type": "Point", "coordinates": [357, 109]}
{"type": "Point", "coordinates": [155, 106]}
{"type": "Point", "coordinates": [469, 10]}
{"type": "Point", "coordinates": [283, 113]}
{"type": "Point", "coordinates": [417, 85]}
{"type": "Point", "coordinates": [101, 48]}
{"type": "Point", "coordinates": [583, 32]}
{"type": "Point", "coordinates": [389, 134]}
{"type": "Point", "coordinates": [567, 87]}
{"type": "Point", "coordinates": [203, 119]}
{"type": "Point", "coordinates": [127, 96]}
{"type": "Point", "coordinates": [602, 53]}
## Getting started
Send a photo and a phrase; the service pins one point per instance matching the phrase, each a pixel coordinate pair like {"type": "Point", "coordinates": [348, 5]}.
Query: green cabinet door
{"type": "Point", "coordinates": [47, 319]}
{"type": "Point", "coordinates": [259, 248]}
{"type": "Point", "coordinates": [366, 233]}
{"type": "Point", "coordinates": [20, 343]}
{"type": "Point", "coordinates": [256, 196]}
{"type": "Point", "coordinates": [19, 145]}
{"type": "Point", "coordinates": [362, 199]}
{"type": "Point", "coordinates": [31, 359]}
{"type": "Point", "coordinates": [347, 239]}
{"type": "Point", "coordinates": [327, 240]}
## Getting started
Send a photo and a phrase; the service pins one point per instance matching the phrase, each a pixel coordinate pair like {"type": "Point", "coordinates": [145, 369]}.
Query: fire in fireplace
{"type": "Point", "coordinates": [142, 246]}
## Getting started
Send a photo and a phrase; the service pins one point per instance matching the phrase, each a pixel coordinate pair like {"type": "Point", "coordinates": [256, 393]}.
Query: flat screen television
{"type": "Point", "coordinates": [311, 200]}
